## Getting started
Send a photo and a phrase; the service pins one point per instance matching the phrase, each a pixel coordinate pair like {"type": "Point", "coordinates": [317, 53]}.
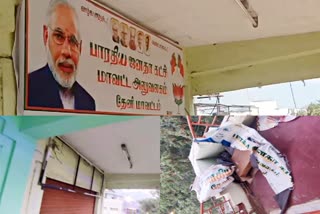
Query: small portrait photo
{"type": "Point", "coordinates": [124, 35]}
{"type": "Point", "coordinates": [132, 42]}
{"type": "Point", "coordinates": [140, 41]}
{"type": "Point", "coordinates": [147, 41]}
{"type": "Point", "coordinates": [115, 30]}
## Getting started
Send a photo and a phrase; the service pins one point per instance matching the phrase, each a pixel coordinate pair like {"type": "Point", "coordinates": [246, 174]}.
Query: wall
{"type": "Point", "coordinates": [18, 141]}
{"type": "Point", "coordinates": [7, 77]}
{"type": "Point", "coordinates": [17, 167]}
{"type": "Point", "coordinates": [33, 194]}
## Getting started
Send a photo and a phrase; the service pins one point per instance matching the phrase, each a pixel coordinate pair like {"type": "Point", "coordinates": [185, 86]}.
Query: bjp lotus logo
{"type": "Point", "coordinates": [178, 88]}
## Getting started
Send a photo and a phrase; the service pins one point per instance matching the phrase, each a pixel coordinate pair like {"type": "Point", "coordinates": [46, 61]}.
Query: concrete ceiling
{"type": "Point", "coordinates": [193, 23]}
{"type": "Point", "coordinates": [101, 146]}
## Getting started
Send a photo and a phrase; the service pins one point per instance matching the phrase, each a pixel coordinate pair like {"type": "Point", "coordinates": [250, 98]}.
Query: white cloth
{"type": "Point", "coordinates": [67, 100]}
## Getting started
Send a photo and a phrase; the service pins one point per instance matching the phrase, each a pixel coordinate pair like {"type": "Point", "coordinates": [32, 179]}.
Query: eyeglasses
{"type": "Point", "coordinates": [59, 37]}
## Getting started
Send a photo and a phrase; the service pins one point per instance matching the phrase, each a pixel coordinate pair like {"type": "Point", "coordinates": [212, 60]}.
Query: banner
{"type": "Point", "coordinates": [274, 168]}
{"type": "Point", "coordinates": [270, 161]}
{"type": "Point", "coordinates": [212, 181]}
{"type": "Point", "coordinates": [203, 155]}
{"type": "Point", "coordinates": [82, 57]}
{"type": "Point", "coordinates": [268, 122]}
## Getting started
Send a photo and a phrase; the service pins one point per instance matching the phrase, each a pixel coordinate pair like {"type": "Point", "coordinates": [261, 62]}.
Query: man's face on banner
{"type": "Point", "coordinates": [140, 38]}
{"type": "Point", "coordinates": [147, 42]}
{"type": "Point", "coordinates": [124, 34]}
{"type": "Point", "coordinates": [63, 45]}
{"type": "Point", "coordinates": [115, 29]}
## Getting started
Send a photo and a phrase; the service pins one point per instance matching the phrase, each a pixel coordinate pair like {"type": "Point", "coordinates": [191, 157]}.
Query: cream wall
{"type": "Point", "coordinates": [7, 78]}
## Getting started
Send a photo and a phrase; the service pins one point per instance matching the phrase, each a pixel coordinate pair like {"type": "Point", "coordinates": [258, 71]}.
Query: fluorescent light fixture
{"type": "Point", "coordinates": [126, 153]}
{"type": "Point", "coordinates": [249, 12]}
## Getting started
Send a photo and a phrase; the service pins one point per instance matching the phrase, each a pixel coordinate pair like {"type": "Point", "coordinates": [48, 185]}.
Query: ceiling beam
{"type": "Point", "coordinates": [302, 68]}
{"type": "Point", "coordinates": [217, 58]}
{"type": "Point", "coordinates": [258, 62]}
{"type": "Point", "coordinates": [40, 127]}
{"type": "Point", "coordinates": [132, 181]}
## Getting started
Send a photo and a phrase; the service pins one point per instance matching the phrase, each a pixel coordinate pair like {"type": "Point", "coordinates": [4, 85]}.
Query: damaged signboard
{"type": "Point", "coordinates": [269, 122]}
{"type": "Point", "coordinates": [212, 181]}
{"type": "Point", "coordinates": [269, 160]}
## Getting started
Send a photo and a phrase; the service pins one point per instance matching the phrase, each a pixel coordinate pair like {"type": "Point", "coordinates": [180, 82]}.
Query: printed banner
{"type": "Point", "coordinates": [270, 161]}
{"type": "Point", "coordinates": [268, 122]}
{"type": "Point", "coordinates": [212, 181]}
{"type": "Point", "coordinates": [274, 168]}
{"type": "Point", "coordinates": [81, 57]}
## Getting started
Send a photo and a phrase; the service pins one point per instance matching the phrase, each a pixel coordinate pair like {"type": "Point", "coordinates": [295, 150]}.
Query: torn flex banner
{"type": "Point", "coordinates": [212, 181]}
{"type": "Point", "coordinates": [269, 122]}
{"type": "Point", "coordinates": [270, 162]}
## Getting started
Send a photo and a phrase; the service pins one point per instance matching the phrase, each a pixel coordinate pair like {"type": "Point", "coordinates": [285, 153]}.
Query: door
{"type": "Point", "coordinates": [64, 202]}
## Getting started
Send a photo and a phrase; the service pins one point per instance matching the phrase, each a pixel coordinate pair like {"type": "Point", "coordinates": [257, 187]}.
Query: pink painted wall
{"type": "Point", "coordinates": [299, 140]}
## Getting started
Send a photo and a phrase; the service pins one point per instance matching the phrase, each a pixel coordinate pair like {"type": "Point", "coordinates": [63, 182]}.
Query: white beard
{"type": "Point", "coordinates": [64, 82]}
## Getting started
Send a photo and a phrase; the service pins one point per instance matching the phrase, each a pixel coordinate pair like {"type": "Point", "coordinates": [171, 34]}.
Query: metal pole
{"type": "Point", "coordinates": [294, 100]}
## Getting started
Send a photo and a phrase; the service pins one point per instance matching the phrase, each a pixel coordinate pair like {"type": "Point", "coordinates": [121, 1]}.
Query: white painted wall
{"type": "Point", "coordinates": [33, 194]}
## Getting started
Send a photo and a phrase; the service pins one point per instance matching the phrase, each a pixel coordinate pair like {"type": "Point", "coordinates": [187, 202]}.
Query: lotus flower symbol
{"type": "Point", "coordinates": [178, 88]}
{"type": "Point", "coordinates": [178, 95]}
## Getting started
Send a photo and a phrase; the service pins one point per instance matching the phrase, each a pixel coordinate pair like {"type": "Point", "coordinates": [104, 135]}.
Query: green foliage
{"type": "Point", "coordinates": [177, 173]}
{"type": "Point", "coordinates": [150, 206]}
{"type": "Point", "coordinates": [312, 110]}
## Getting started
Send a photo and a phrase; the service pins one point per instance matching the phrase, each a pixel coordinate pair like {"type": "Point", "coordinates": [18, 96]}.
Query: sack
{"type": "Point", "coordinates": [200, 166]}
{"type": "Point", "coordinates": [237, 136]}
{"type": "Point", "coordinates": [213, 181]}
{"type": "Point", "coordinates": [202, 155]}
{"type": "Point", "coordinates": [204, 150]}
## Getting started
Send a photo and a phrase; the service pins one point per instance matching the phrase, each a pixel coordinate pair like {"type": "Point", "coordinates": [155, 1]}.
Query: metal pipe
{"type": "Point", "coordinates": [51, 186]}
